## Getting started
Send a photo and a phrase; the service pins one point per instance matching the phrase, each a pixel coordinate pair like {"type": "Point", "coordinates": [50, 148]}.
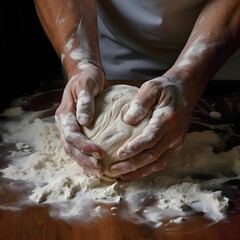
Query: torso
{"type": "Point", "coordinates": [148, 26]}
{"type": "Point", "coordinates": [140, 39]}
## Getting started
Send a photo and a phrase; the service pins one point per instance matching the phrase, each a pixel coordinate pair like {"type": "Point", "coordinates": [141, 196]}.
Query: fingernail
{"type": "Point", "coordinates": [122, 155]}
{"type": "Point", "coordinates": [96, 155]}
{"type": "Point", "coordinates": [115, 172]}
{"type": "Point", "coordinates": [94, 161]}
{"type": "Point", "coordinates": [84, 120]}
{"type": "Point", "coordinates": [97, 172]}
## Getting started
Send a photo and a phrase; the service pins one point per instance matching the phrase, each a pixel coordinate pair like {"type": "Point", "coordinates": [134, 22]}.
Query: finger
{"type": "Point", "coordinates": [141, 105]}
{"type": "Point", "coordinates": [134, 163]}
{"type": "Point", "coordinates": [139, 144]}
{"type": "Point", "coordinates": [158, 165]}
{"type": "Point", "coordinates": [142, 159]}
{"type": "Point", "coordinates": [85, 108]}
{"type": "Point", "coordinates": [151, 135]}
{"type": "Point", "coordinates": [60, 133]}
{"type": "Point", "coordinates": [136, 112]}
{"type": "Point", "coordinates": [163, 119]}
{"type": "Point", "coordinates": [86, 146]}
{"type": "Point", "coordinates": [89, 172]}
{"type": "Point", "coordinates": [71, 136]}
{"type": "Point", "coordinates": [90, 164]}
{"type": "Point", "coordinates": [148, 156]}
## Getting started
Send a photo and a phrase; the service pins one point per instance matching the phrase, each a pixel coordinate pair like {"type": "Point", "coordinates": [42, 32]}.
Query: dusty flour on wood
{"type": "Point", "coordinates": [177, 191]}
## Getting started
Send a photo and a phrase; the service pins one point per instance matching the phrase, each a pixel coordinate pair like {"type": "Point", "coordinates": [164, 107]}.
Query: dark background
{"type": "Point", "coordinates": [28, 61]}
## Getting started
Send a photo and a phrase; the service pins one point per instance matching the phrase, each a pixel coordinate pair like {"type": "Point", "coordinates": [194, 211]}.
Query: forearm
{"type": "Point", "coordinates": [215, 36]}
{"type": "Point", "coordinates": [71, 26]}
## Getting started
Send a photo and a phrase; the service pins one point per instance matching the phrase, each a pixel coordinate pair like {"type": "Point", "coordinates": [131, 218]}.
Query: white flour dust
{"type": "Point", "coordinates": [58, 180]}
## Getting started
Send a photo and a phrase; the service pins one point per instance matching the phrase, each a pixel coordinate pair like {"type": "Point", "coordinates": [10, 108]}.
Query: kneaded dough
{"type": "Point", "coordinates": [108, 129]}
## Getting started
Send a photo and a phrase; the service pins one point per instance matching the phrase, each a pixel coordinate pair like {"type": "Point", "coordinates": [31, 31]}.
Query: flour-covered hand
{"type": "Point", "coordinates": [165, 133]}
{"type": "Point", "coordinates": [77, 108]}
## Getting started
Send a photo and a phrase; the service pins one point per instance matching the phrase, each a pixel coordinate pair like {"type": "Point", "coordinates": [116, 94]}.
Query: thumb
{"type": "Point", "coordinates": [136, 112]}
{"type": "Point", "coordinates": [85, 108]}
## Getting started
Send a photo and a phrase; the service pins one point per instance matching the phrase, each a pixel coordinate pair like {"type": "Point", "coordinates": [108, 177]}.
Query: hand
{"type": "Point", "coordinates": [165, 133]}
{"type": "Point", "coordinates": [76, 109]}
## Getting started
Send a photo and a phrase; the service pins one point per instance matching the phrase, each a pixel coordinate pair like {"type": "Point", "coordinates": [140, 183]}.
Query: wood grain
{"type": "Point", "coordinates": [35, 223]}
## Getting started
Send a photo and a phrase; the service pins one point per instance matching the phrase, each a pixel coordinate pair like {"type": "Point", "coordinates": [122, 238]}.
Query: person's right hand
{"type": "Point", "coordinates": [77, 108]}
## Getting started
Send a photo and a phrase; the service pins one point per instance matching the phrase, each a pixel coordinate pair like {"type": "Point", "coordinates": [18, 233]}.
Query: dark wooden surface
{"type": "Point", "coordinates": [34, 223]}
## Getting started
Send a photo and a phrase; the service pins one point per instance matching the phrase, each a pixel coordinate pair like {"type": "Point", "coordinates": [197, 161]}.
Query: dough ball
{"type": "Point", "coordinates": [108, 129]}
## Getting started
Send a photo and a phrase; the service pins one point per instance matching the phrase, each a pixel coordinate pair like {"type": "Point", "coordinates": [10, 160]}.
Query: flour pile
{"type": "Point", "coordinates": [59, 181]}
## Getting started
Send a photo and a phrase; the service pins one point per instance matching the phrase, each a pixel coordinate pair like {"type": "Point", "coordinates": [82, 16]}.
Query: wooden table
{"type": "Point", "coordinates": [35, 223]}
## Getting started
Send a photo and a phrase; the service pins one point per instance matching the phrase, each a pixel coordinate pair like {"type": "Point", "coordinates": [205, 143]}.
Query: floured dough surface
{"type": "Point", "coordinates": [108, 129]}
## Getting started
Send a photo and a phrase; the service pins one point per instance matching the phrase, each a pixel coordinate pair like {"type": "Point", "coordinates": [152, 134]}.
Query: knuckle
{"type": "Point", "coordinates": [172, 117]}
{"type": "Point", "coordinates": [69, 138]}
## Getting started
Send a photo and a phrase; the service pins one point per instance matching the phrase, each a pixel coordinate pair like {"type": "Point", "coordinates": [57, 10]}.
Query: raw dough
{"type": "Point", "coordinates": [108, 129]}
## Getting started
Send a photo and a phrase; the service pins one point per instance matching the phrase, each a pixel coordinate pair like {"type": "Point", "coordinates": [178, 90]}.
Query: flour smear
{"type": "Point", "coordinates": [39, 161]}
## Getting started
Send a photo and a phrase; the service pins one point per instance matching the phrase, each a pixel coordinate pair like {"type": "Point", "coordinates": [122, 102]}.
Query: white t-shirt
{"type": "Point", "coordinates": [141, 39]}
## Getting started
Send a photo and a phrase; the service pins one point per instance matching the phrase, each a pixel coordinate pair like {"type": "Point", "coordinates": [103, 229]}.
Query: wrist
{"type": "Point", "coordinates": [74, 68]}
{"type": "Point", "coordinates": [192, 85]}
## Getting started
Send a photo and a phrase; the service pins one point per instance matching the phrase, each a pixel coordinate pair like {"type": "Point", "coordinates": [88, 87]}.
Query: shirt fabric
{"type": "Point", "coordinates": [141, 39]}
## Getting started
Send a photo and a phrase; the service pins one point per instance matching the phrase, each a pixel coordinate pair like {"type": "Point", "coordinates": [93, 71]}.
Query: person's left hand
{"type": "Point", "coordinates": [164, 134]}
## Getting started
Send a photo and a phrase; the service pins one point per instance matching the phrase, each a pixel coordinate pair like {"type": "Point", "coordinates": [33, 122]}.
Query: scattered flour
{"type": "Point", "coordinates": [58, 180]}
{"type": "Point", "coordinates": [12, 112]}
